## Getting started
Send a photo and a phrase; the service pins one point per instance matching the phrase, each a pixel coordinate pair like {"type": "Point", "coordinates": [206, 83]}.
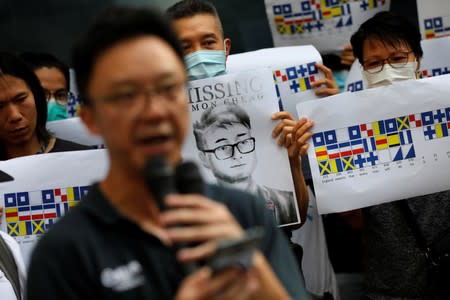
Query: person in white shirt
{"type": "Point", "coordinates": [8, 289]}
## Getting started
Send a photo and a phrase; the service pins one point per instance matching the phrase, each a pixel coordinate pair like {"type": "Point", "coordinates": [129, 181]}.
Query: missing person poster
{"type": "Point", "coordinates": [230, 138]}
{"type": "Point", "coordinates": [44, 188]}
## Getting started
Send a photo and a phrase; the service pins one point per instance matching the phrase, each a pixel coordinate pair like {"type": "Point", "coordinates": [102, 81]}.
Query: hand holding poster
{"type": "Point", "coordinates": [230, 136]}
{"type": "Point", "coordinates": [380, 145]}
{"type": "Point", "coordinates": [45, 188]}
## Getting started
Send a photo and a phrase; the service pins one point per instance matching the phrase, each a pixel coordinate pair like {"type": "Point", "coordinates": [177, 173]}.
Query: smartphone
{"type": "Point", "coordinates": [236, 252]}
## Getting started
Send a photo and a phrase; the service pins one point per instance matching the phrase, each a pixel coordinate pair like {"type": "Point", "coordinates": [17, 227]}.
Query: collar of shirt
{"type": "Point", "coordinates": [97, 204]}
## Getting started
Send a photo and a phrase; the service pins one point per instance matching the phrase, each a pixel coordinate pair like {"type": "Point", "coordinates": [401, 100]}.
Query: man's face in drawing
{"type": "Point", "coordinates": [230, 152]}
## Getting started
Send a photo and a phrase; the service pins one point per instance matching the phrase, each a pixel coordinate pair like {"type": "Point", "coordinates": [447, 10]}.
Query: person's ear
{"type": "Point", "coordinates": [203, 159]}
{"type": "Point", "coordinates": [227, 43]}
{"type": "Point", "coordinates": [88, 118]}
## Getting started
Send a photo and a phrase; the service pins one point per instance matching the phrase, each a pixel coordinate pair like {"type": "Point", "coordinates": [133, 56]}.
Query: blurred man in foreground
{"type": "Point", "coordinates": [131, 76]}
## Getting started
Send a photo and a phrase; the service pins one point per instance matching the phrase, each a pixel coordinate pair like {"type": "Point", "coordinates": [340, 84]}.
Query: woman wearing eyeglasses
{"type": "Point", "coordinates": [388, 48]}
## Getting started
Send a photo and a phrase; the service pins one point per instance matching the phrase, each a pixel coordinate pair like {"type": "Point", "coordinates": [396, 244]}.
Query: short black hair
{"type": "Point", "coordinates": [12, 65]}
{"type": "Point", "coordinates": [389, 28]}
{"type": "Point", "coordinates": [37, 60]}
{"type": "Point", "coordinates": [117, 24]}
{"type": "Point", "coordinates": [220, 116]}
{"type": "Point", "coordinates": [190, 8]}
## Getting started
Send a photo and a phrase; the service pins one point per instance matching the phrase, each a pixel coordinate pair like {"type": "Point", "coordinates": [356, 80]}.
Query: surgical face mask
{"type": "Point", "coordinates": [205, 63]}
{"type": "Point", "coordinates": [340, 77]}
{"type": "Point", "coordinates": [389, 75]}
{"type": "Point", "coordinates": [56, 111]}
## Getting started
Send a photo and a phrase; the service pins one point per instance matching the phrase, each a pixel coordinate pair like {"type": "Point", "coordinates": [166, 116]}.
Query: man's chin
{"type": "Point", "coordinates": [233, 179]}
{"type": "Point", "coordinates": [172, 159]}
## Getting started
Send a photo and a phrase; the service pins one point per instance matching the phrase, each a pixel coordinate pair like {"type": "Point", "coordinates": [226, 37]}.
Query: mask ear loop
{"type": "Point", "coordinates": [225, 47]}
{"type": "Point", "coordinates": [419, 73]}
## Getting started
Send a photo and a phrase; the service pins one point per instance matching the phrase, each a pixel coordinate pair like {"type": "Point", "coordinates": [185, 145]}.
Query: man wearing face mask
{"type": "Point", "coordinates": [200, 33]}
{"type": "Point", "coordinates": [205, 49]}
{"type": "Point", "coordinates": [54, 78]}
{"type": "Point", "coordinates": [388, 48]}
{"type": "Point", "coordinates": [201, 36]}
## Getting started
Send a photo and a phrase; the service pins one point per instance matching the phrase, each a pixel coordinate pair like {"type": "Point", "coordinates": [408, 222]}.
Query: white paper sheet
{"type": "Point", "coordinates": [45, 187]}
{"type": "Point", "coordinates": [356, 163]}
{"type": "Point", "coordinates": [73, 129]}
{"type": "Point", "coordinates": [435, 62]}
{"type": "Point", "coordinates": [252, 92]}
{"type": "Point", "coordinates": [327, 25]}
{"type": "Point", "coordinates": [354, 81]}
{"type": "Point", "coordinates": [434, 18]}
{"type": "Point", "coordinates": [436, 57]}
{"type": "Point", "coordinates": [293, 71]}
{"type": "Point", "coordinates": [73, 105]}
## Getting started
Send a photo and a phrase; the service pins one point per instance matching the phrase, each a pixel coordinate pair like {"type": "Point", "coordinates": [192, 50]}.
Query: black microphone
{"type": "Point", "coordinates": [162, 181]}
{"type": "Point", "coordinates": [188, 179]}
{"type": "Point", "coordinates": [159, 177]}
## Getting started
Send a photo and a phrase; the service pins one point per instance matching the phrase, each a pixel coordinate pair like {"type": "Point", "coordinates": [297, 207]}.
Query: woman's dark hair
{"type": "Point", "coordinates": [113, 26]}
{"type": "Point", "coordinates": [37, 60]}
{"type": "Point", "coordinates": [390, 29]}
{"type": "Point", "coordinates": [12, 65]}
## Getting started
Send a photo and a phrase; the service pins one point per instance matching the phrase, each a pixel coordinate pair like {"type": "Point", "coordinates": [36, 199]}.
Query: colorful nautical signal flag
{"type": "Point", "coordinates": [436, 27]}
{"type": "Point", "coordinates": [31, 213]}
{"type": "Point", "coordinates": [316, 15]}
{"type": "Point", "coordinates": [377, 142]}
{"type": "Point", "coordinates": [299, 78]}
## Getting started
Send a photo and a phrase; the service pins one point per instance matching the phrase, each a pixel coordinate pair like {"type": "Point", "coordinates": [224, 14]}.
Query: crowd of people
{"type": "Point", "coordinates": [131, 68]}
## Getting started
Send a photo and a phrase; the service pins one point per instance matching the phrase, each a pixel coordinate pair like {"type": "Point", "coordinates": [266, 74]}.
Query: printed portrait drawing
{"type": "Point", "coordinates": [226, 147]}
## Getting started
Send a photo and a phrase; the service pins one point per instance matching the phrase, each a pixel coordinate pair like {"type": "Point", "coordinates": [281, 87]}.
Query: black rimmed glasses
{"type": "Point", "coordinates": [227, 151]}
{"type": "Point", "coordinates": [133, 97]}
{"type": "Point", "coordinates": [397, 60]}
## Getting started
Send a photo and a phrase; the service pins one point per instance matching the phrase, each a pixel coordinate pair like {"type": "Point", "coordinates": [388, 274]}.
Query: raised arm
{"type": "Point", "coordinates": [294, 136]}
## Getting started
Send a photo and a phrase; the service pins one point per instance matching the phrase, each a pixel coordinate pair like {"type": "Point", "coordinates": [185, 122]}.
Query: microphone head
{"type": "Point", "coordinates": [159, 177]}
{"type": "Point", "coordinates": [188, 179]}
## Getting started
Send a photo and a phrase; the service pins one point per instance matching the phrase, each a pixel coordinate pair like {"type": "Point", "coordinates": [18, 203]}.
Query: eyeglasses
{"type": "Point", "coordinates": [227, 151]}
{"type": "Point", "coordinates": [60, 96]}
{"type": "Point", "coordinates": [133, 97]}
{"type": "Point", "coordinates": [397, 60]}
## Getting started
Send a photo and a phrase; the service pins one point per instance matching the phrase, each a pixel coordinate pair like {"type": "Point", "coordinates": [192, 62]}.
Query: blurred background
{"type": "Point", "coordinates": [52, 25]}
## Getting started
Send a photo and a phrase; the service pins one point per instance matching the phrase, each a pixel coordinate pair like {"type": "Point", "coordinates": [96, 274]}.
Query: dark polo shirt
{"type": "Point", "coordinates": [96, 253]}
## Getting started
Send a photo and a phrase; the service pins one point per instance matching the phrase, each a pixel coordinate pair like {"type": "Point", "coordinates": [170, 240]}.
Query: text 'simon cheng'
{"type": "Point", "coordinates": [233, 92]}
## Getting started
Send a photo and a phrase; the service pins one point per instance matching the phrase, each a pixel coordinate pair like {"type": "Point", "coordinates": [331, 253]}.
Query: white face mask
{"type": "Point", "coordinates": [389, 75]}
